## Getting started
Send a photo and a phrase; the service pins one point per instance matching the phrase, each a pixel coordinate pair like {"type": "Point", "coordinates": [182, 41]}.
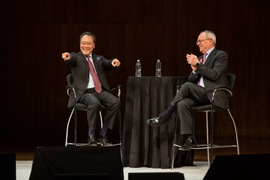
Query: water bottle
{"type": "Point", "coordinates": [158, 68]}
{"type": "Point", "coordinates": [138, 68]}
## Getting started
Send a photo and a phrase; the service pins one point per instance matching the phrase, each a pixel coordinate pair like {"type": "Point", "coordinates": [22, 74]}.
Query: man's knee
{"type": "Point", "coordinates": [186, 103]}
{"type": "Point", "coordinates": [95, 105]}
{"type": "Point", "coordinates": [186, 85]}
{"type": "Point", "coordinates": [180, 104]}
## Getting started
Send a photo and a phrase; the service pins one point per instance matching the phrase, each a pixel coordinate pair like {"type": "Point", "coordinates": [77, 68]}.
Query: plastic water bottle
{"type": "Point", "coordinates": [138, 68]}
{"type": "Point", "coordinates": [158, 68]}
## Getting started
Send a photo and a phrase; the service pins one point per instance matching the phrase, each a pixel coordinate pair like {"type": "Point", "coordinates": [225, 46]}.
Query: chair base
{"type": "Point", "coordinates": [209, 139]}
{"type": "Point", "coordinates": [86, 144]}
{"type": "Point", "coordinates": [208, 148]}
{"type": "Point", "coordinates": [205, 146]}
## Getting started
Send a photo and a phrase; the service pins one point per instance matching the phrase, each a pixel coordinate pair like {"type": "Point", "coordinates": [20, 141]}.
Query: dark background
{"type": "Point", "coordinates": [35, 33]}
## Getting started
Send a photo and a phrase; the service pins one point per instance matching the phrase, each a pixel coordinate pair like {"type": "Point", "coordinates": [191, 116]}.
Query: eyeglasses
{"type": "Point", "coordinates": [201, 40]}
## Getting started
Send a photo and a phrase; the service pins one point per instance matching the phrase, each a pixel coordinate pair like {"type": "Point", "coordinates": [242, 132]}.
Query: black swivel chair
{"type": "Point", "coordinates": [81, 107]}
{"type": "Point", "coordinates": [210, 108]}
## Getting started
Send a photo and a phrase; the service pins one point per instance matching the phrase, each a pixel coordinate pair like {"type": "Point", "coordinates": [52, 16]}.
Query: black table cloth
{"type": "Point", "coordinates": [145, 145]}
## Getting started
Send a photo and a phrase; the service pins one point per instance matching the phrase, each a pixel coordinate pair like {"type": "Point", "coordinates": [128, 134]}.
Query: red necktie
{"type": "Point", "coordinates": [94, 76]}
{"type": "Point", "coordinates": [204, 59]}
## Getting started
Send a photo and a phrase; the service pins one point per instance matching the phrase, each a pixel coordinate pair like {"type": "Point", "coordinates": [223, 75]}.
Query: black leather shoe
{"type": "Point", "coordinates": [103, 141]}
{"type": "Point", "coordinates": [157, 121]}
{"type": "Point", "coordinates": [189, 143]}
{"type": "Point", "coordinates": [92, 141]}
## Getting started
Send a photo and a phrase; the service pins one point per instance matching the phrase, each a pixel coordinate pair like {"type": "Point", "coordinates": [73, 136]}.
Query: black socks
{"type": "Point", "coordinates": [168, 112]}
{"type": "Point", "coordinates": [103, 131]}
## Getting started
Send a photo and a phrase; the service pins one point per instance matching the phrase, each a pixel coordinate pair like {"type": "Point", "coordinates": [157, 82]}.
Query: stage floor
{"type": "Point", "coordinates": [25, 153]}
{"type": "Point", "coordinates": [23, 170]}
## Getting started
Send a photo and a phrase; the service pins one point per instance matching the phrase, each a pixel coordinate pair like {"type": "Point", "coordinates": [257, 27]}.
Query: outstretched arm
{"type": "Point", "coordinates": [66, 56]}
{"type": "Point", "coordinates": [116, 63]}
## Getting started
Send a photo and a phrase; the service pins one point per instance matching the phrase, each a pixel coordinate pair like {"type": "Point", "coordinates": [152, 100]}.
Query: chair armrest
{"type": "Point", "coordinates": [118, 87]}
{"type": "Point", "coordinates": [221, 88]}
{"type": "Point", "coordinates": [70, 88]}
{"type": "Point", "coordinates": [178, 88]}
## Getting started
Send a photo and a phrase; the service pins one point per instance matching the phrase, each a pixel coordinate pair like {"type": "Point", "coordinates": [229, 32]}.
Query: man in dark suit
{"type": "Point", "coordinates": [92, 89]}
{"type": "Point", "coordinates": [208, 71]}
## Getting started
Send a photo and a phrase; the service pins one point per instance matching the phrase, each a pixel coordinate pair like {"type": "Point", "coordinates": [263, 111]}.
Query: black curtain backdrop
{"type": "Point", "coordinates": [35, 33]}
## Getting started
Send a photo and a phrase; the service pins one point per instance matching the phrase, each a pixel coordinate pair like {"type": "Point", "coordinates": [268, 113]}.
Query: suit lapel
{"type": "Point", "coordinates": [211, 56]}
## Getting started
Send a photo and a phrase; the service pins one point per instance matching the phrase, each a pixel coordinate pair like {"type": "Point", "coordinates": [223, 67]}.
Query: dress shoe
{"type": "Point", "coordinates": [189, 143]}
{"type": "Point", "coordinates": [103, 141]}
{"type": "Point", "coordinates": [92, 141]}
{"type": "Point", "coordinates": [157, 121]}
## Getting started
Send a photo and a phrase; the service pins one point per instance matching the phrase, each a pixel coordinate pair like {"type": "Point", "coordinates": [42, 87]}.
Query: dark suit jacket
{"type": "Point", "coordinates": [214, 74]}
{"type": "Point", "coordinates": [80, 72]}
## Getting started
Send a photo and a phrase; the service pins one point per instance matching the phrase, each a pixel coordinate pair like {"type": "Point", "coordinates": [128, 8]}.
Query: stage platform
{"type": "Point", "coordinates": [197, 172]}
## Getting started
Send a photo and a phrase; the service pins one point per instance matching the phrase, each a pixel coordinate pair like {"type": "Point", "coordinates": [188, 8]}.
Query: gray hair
{"type": "Point", "coordinates": [210, 35]}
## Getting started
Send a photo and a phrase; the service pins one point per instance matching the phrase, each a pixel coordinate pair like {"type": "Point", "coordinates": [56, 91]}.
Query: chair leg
{"type": "Point", "coordinates": [174, 138]}
{"type": "Point", "coordinates": [101, 120]}
{"type": "Point", "coordinates": [172, 157]}
{"type": "Point", "coordinates": [235, 130]}
{"type": "Point", "coordinates": [66, 141]}
{"type": "Point", "coordinates": [120, 137]}
{"type": "Point", "coordinates": [211, 136]}
{"type": "Point", "coordinates": [75, 126]}
{"type": "Point", "coordinates": [207, 138]}
{"type": "Point", "coordinates": [120, 127]}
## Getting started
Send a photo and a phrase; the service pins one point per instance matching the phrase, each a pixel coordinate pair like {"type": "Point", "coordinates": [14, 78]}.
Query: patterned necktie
{"type": "Point", "coordinates": [94, 76]}
{"type": "Point", "coordinates": [204, 59]}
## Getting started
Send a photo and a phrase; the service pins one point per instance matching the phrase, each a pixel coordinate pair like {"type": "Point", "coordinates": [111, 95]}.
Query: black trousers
{"type": "Point", "coordinates": [94, 100]}
{"type": "Point", "coordinates": [189, 95]}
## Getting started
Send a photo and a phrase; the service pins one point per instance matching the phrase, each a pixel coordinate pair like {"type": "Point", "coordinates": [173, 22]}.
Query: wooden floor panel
{"type": "Point", "coordinates": [25, 150]}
